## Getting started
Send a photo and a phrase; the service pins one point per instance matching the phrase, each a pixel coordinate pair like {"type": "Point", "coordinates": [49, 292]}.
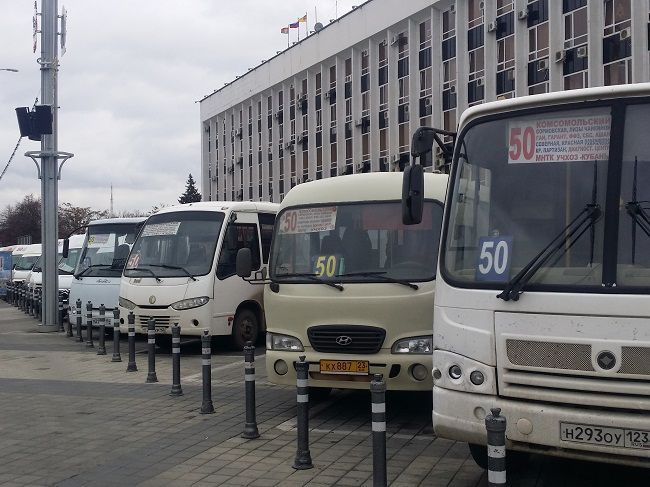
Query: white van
{"type": "Point", "coordinates": [66, 264]}
{"type": "Point", "coordinates": [182, 270]}
{"type": "Point", "coordinates": [24, 262]}
{"type": "Point", "coordinates": [99, 267]}
{"type": "Point", "coordinates": [352, 288]}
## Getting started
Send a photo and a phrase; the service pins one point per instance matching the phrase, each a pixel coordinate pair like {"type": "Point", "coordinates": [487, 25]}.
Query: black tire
{"type": "Point", "coordinates": [515, 460]}
{"type": "Point", "coordinates": [245, 328]}
{"type": "Point", "coordinates": [318, 394]}
{"type": "Point", "coordinates": [479, 454]}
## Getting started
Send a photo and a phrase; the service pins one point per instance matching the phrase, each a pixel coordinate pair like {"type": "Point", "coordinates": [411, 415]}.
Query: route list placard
{"type": "Point", "coordinates": [308, 220]}
{"type": "Point", "coordinates": [561, 139]}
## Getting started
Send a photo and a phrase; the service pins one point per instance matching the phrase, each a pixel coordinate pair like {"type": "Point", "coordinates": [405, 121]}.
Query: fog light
{"type": "Point", "coordinates": [419, 372]}
{"type": "Point", "coordinates": [195, 322]}
{"type": "Point", "coordinates": [455, 372]}
{"type": "Point", "coordinates": [280, 367]}
{"type": "Point", "coordinates": [477, 377]}
{"type": "Point", "coordinates": [436, 373]}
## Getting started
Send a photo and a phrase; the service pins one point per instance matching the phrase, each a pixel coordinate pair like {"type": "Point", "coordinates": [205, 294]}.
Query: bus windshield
{"type": "Point", "coordinates": [26, 262]}
{"type": "Point", "coordinates": [358, 242]}
{"type": "Point", "coordinates": [179, 244]}
{"type": "Point", "coordinates": [105, 250]}
{"type": "Point", "coordinates": [541, 193]}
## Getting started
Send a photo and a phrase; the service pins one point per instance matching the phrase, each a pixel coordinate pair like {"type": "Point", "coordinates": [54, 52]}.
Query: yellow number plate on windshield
{"type": "Point", "coordinates": [356, 367]}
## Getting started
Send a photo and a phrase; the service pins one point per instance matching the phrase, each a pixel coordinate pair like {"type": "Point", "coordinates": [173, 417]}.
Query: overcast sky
{"type": "Point", "coordinates": [127, 89]}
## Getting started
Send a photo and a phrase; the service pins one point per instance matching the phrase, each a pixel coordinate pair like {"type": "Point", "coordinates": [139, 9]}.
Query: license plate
{"type": "Point", "coordinates": [355, 367]}
{"type": "Point", "coordinates": [159, 329]}
{"type": "Point", "coordinates": [600, 435]}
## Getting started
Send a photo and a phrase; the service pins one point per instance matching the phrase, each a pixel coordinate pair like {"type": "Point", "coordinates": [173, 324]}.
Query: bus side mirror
{"type": "Point", "coordinates": [422, 141]}
{"type": "Point", "coordinates": [244, 262]}
{"type": "Point", "coordinates": [412, 194]}
{"type": "Point", "coordinates": [66, 248]}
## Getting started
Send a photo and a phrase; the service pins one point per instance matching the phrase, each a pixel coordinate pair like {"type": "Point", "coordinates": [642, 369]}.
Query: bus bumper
{"type": "Point", "coordinates": [397, 370]}
{"type": "Point", "coordinates": [535, 427]}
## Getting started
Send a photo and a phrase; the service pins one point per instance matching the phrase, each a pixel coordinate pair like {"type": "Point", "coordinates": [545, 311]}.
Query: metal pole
{"type": "Point", "coordinates": [131, 367]}
{"type": "Point", "coordinates": [49, 169]}
{"type": "Point", "coordinates": [116, 336]}
{"type": "Point", "coordinates": [89, 325]}
{"type": "Point", "coordinates": [206, 367]}
{"type": "Point", "coordinates": [80, 337]}
{"type": "Point", "coordinates": [303, 455]}
{"type": "Point", "coordinates": [151, 347]}
{"type": "Point", "coordinates": [176, 361]}
{"type": "Point", "coordinates": [250, 428]}
{"type": "Point", "coordinates": [60, 315]}
{"type": "Point", "coordinates": [378, 415]}
{"type": "Point", "coordinates": [495, 424]}
{"type": "Point", "coordinates": [101, 349]}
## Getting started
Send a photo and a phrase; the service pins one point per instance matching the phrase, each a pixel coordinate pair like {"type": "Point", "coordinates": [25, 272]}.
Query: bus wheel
{"type": "Point", "coordinates": [479, 454]}
{"type": "Point", "coordinates": [245, 328]}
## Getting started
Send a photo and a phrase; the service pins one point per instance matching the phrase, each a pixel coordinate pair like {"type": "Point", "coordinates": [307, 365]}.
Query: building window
{"type": "Point", "coordinates": [575, 62]}
{"type": "Point", "coordinates": [538, 46]}
{"type": "Point", "coordinates": [426, 74]}
{"type": "Point", "coordinates": [449, 70]}
{"type": "Point", "coordinates": [475, 52]}
{"type": "Point", "coordinates": [617, 43]}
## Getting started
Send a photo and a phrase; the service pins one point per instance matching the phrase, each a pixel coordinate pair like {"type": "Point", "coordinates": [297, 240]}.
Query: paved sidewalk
{"type": "Point", "coordinates": [72, 418]}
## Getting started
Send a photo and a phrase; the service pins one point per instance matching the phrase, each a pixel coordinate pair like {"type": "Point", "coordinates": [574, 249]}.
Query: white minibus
{"type": "Point", "coordinates": [182, 270]}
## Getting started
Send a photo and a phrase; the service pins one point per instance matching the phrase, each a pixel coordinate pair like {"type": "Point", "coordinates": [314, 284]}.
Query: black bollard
{"type": "Point", "coordinates": [303, 455]}
{"type": "Point", "coordinates": [60, 315]}
{"type": "Point", "coordinates": [378, 405]}
{"type": "Point", "coordinates": [101, 348]}
{"type": "Point", "coordinates": [116, 336]}
{"type": "Point", "coordinates": [250, 428]}
{"type": "Point", "coordinates": [495, 424]}
{"type": "Point", "coordinates": [131, 367]}
{"type": "Point", "coordinates": [177, 390]}
{"type": "Point", "coordinates": [89, 325]}
{"type": "Point", "coordinates": [30, 301]}
{"type": "Point", "coordinates": [39, 304]}
{"type": "Point", "coordinates": [80, 337]}
{"type": "Point", "coordinates": [69, 332]}
{"type": "Point", "coordinates": [151, 351]}
{"type": "Point", "coordinates": [206, 367]}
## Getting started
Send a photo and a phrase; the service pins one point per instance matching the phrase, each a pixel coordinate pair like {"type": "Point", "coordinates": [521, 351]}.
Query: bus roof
{"type": "Point", "coordinates": [33, 249]}
{"type": "Point", "coordinates": [375, 186]}
{"type": "Point", "coordinates": [113, 221]}
{"type": "Point", "coordinates": [244, 206]}
{"type": "Point", "coordinates": [555, 98]}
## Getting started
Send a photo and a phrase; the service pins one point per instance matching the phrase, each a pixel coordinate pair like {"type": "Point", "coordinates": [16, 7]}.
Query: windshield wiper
{"type": "Point", "coordinates": [639, 215]}
{"type": "Point", "coordinates": [313, 277]}
{"type": "Point", "coordinates": [380, 275]}
{"type": "Point", "coordinates": [80, 275]}
{"type": "Point", "coordinates": [158, 279]}
{"type": "Point", "coordinates": [579, 225]}
{"type": "Point", "coordinates": [174, 267]}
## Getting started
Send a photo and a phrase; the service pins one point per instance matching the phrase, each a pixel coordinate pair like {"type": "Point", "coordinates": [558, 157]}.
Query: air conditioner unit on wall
{"type": "Point", "coordinates": [581, 51]}
{"type": "Point", "coordinates": [542, 64]}
{"type": "Point", "coordinates": [560, 55]}
{"type": "Point", "coordinates": [491, 26]}
{"type": "Point", "coordinates": [479, 82]}
{"type": "Point", "coordinates": [625, 33]}
{"type": "Point", "coordinates": [522, 14]}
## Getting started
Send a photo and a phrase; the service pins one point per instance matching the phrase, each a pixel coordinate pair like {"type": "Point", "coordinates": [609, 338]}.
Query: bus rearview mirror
{"type": "Point", "coordinates": [244, 262]}
{"type": "Point", "coordinates": [412, 194]}
{"type": "Point", "coordinates": [66, 248]}
{"type": "Point", "coordinates": [422, 141]}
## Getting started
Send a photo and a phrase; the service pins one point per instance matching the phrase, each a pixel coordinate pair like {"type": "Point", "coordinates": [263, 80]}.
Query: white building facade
{"type": "Point", "coordinates": [347, 98]}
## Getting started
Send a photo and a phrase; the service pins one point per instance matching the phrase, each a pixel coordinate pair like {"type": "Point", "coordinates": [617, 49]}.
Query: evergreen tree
{"type": "Point", "coordinates": [191, 194]}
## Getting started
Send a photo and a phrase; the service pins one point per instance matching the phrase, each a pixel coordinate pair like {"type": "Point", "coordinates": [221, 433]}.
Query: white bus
{"type": "Point", "coordinates": [99, 267]}
{"type": "Point", "coordinates": [542, 305]}
{"type": "Point", "coordinates": [182, 270]}
{"type": "Point", "coordinates": [352, 288]}
{"type": "Point", "coordinates": [66, 264]}
{"type": "Point", "coordinates": [24, 259]}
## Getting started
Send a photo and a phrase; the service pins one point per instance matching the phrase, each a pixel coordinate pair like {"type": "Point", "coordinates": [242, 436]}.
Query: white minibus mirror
{"type": "Point", "coordinates": [244, 262]}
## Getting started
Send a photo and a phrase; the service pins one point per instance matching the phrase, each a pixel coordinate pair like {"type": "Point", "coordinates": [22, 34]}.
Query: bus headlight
{"type": "Point", "coordinates": [283, 342]}
{"type": "Point", "coordinates": [125, 303]}
{"type": "Point", "coordinates": [190, 303]}
{"type": "Point", "coordinates": [418, 345]}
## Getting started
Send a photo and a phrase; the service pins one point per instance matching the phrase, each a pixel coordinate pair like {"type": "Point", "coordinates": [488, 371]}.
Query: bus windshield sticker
{"type": "Point", "coordinates": [134, 260]}
{"type": "Point", "coordinates": [328, 266]}
{"type": "Point", "coordinates": [160, 229]}
{"type": "Point", "coordinates": [98, 240]}
{"type": "Point", "coordinates": [308, 220]}
{"type": "Point", "coordinates": [493, 263]}
{"type": "Point", "coordinates": [564, 139]}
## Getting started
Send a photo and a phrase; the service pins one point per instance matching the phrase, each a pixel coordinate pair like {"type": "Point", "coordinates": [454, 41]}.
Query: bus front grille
{"type": "Point", "coordinates": [346, 338]}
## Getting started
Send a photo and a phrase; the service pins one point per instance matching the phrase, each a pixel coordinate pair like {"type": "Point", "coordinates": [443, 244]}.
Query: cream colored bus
{"type": "Point", "coordinates": [351, 287]}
